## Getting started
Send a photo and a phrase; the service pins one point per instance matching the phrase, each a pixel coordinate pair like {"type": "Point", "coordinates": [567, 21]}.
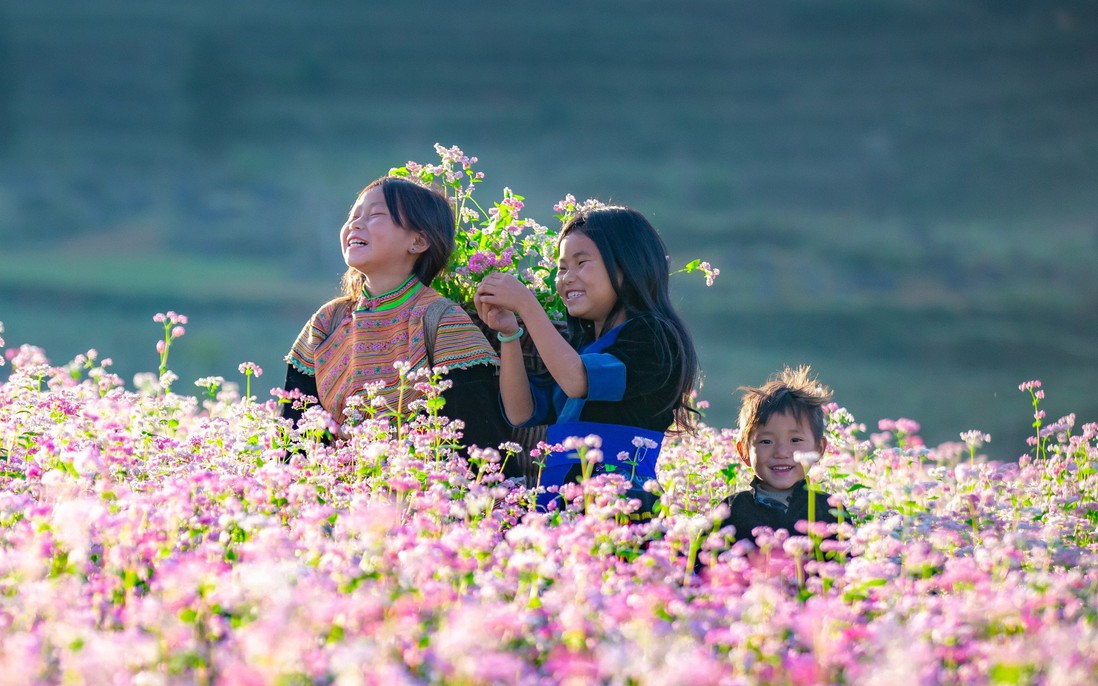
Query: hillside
{"type": "Point", "coordinates": [903, 193]}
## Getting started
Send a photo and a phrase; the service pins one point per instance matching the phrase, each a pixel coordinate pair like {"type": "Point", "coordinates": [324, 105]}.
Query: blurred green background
{"type": "Point", "coordinates": [902, 193]}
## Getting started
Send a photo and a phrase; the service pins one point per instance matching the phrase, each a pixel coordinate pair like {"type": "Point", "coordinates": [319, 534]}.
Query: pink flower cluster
{"type": "Point", "coordinates": [250, 369]}
{"type": "Point", "coordinates": [147, 539]}
{"type": "Point", "coordinates": [484, 260]}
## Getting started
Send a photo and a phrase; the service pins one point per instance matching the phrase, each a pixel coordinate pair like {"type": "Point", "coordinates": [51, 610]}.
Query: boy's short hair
{"type": "Point", "coordinates": [790, 391]}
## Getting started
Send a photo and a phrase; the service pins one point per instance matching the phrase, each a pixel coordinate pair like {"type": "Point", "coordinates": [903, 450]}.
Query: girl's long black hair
{"type": "Point", "coordinates": [636, 260]}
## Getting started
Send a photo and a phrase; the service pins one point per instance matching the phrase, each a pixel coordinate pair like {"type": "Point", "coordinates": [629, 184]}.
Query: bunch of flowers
{"type": "Point", "coordinates": [497, 238]}
{"type": "Point", "coordinates": [500, 238]}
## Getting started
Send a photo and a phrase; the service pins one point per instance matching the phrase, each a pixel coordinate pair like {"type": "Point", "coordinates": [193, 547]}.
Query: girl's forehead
{"type": "Point", "coordinates": [375, 194]}
{"type": "Point", "coordinates": [576, 243]}
{"type": "Point", "coordinates": [372, 196]}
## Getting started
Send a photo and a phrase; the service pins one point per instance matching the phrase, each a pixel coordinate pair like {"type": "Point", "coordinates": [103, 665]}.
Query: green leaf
{"type": "Point", "coordinates": [1009, 674]}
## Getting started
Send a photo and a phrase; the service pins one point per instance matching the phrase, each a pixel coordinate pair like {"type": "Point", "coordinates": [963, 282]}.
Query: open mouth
{"type": "Point", "coordinates": [354, 242]}
{"type": "Point", "coordinates": [573, 295]}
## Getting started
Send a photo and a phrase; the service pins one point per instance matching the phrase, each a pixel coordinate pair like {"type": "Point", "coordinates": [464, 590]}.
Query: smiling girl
{"type": "Point", "coordinates": [397, 237]}
{"type": "Point", "coordinates": [628, 366]}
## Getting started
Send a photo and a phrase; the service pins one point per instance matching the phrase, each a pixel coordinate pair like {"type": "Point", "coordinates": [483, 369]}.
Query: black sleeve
{"type": "Point", "coordinates": [651, 380]}
{"type": "Point", "coordinates": [302, 382]}
{"type": "Point", "coordinates": [649, 367]}
{"type": "Point", "coordinates": [474, 399]}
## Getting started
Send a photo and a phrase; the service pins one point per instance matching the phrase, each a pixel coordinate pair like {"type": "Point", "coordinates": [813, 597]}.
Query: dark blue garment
{"type": "Point", "coordinates": [607, 382]}
{"type": "Point", "coordinates": [748, 511]}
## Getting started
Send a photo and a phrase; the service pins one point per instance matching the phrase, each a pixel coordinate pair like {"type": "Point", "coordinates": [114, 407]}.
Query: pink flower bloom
{"type": "Point", "coordinates": [797, 546]}
{"type": "Point", "coordinates": [908, 426]}
{"type": "Point", "coordinates": [480, 262]}
{"type": "Point", "coordinates": [562, 206]}
{"type": "Point", "coordinates": [250, 368]}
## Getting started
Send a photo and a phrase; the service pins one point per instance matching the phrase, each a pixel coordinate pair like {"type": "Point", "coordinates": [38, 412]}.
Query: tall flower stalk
{"type": "Point", "coordinates": [806, 460]}
{"type": "Point", "coordinates": [1036, 394]}
{"type": "Point", "coordinates": [249, 369]}
{"type": "Point", "coordinates": [173, 329]}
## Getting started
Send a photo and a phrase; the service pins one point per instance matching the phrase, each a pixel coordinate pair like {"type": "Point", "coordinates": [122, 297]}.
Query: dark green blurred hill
{"type": "Point", "coordinates": [904, 194]}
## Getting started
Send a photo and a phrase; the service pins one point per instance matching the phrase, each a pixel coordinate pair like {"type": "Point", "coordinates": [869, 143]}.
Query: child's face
{"type": "Point", "coordinates": [373, 243]}
{"type": "Point", "coordinates": [582, 280]}
{"type": "Point", "coordinates": [771, 448]}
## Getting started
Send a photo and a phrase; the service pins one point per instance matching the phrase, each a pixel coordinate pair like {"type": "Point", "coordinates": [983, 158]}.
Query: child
{"type": "Point", "coordinates": [398, 236]}
{"type": "Point", "coordinates": [778, 420]}
{"type": "Point", "coordinates": [627, 369]}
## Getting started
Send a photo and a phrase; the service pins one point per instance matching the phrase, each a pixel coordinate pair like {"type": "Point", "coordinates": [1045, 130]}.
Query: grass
{"type": "Point", "coordinates": [183, 278]}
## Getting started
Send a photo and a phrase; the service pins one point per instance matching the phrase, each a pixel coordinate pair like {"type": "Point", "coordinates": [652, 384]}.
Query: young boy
{"type": "Point", "coordinates": [778, 420]}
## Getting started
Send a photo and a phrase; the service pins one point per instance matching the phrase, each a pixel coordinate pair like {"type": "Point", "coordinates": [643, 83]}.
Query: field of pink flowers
{"type": "Point", "coordinates": [152, 537]}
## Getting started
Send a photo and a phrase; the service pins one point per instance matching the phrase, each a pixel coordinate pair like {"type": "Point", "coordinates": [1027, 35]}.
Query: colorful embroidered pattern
{"type": "Point", "coordinates": [345, 356]}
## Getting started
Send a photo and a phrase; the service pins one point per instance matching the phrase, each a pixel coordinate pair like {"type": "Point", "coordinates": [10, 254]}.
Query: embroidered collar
{"type": "Point", "coordinates": [391, 300]}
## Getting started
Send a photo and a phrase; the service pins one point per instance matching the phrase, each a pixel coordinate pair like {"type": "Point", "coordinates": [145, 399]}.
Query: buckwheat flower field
{"type": "Point", "coordinates": [153, 537]}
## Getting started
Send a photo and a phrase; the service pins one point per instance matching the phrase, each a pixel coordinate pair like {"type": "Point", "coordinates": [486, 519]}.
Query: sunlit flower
{"type": "Point", "coordinates": [806, 459]}
{"type": "Point", "coordinates": [250, 369]}
{"type": "Point", "coordinates": [975, 439]}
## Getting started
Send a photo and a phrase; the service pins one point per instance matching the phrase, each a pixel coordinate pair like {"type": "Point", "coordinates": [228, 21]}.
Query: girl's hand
{"type": "Point", "coordinates": [505, 291]}
{"type": "Point", "coordinates": [497, 318]}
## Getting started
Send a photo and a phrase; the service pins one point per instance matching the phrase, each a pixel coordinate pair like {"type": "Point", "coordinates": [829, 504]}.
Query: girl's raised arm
{"type": "Point", "coordinates": [514, 385]}
{"type": "Point", "coordinates": [564, 364]}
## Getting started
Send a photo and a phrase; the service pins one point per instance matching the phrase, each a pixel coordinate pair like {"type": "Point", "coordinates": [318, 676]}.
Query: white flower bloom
{"type": "Point", "coordinates": [806, 459]}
